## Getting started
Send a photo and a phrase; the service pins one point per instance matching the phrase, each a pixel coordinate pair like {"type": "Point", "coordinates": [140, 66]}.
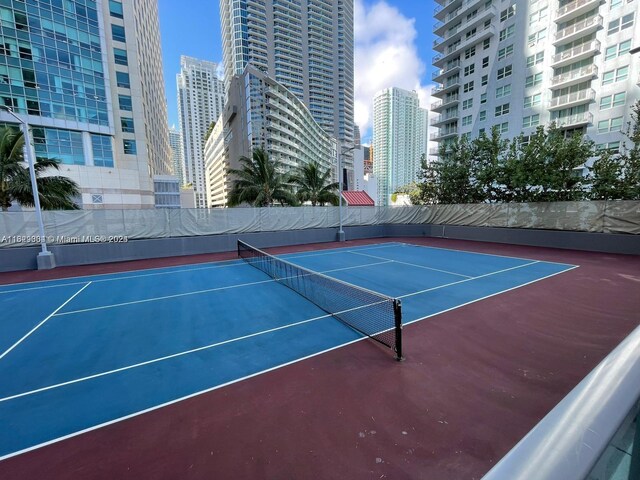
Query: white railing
{"type": "Point", "coordinates": [576, 119]}
{"type": "Point", "coordinates": [588, 71]}
{"type": "Point", "coordinates": [569, 441]}
{"type": "Point", "coordinates": [570, 7]}
{"type": "Point", "coordinates": [593, 46]}
{"type": "Point", "coordinates": [578, 26]}
{"type": "Point", "coordinates": [580, 96]}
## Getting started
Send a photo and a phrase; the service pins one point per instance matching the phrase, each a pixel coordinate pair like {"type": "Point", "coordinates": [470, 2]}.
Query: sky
{"type": "Point", "coordinates": [393, 41]}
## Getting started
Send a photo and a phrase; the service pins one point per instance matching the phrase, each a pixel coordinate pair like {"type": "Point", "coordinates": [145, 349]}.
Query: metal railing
{"type": "Point", "coordinates": [576, 119]}
{"type": "Point", "coordinates": [575, 51]}
{"type": "Point", "coordinates": [570, 7]}
{"type": "Point", "coordinates": [578, 26]}
{"type": "Point", "coordinates": [588, 71]}
{"type": "Point", "coordinates": [581, 96]}
{"type": "Point", "coordinates": [569, 441]}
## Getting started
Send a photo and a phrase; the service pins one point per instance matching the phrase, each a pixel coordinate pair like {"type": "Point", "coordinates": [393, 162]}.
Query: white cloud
{"type": "Point", "coordinates": [385, 56]}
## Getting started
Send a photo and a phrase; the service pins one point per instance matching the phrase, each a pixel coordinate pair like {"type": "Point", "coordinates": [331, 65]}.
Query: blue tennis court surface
{"type": "Point", "coordinates": [83, 352]}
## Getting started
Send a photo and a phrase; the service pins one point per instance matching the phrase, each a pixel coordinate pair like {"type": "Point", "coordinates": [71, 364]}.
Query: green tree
{"type": "Point", "coordinates": [489, 155]}
{"type": "Point", "coordinates": [606, 177]}
{"type": "Point", "coordinates": [452, 172]}
{"type": "Point", "coordinates": [426, 191]}
{"type": "Point", "coordinates": [313, 185]}
{"type": "Point", "coordinates": [55, 192]}
{"type": "Point", "coordinates": [630, 157]}
{"type": "Point", "coordinates": [260, 182]}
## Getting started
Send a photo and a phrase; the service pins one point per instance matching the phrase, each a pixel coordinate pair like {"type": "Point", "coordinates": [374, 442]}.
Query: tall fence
{"type": "Point", "coordinates": [20, 228]}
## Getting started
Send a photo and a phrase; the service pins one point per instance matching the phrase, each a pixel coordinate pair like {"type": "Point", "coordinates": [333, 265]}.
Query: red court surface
{"type": "Point", "coordinates": [475, 381]}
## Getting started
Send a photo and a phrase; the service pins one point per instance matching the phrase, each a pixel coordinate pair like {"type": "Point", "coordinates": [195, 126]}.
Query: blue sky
{"type": "Point", "coordinates": [393, 46]}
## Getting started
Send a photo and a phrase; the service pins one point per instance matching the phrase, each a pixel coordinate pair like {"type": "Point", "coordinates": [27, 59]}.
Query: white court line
{"type": "Point", "coordinates": [482, 253]}
{"type": "Point", "coordinates": [176, 269]}
{"type": "Point", "coordinates": [261, 372]}
{"type": "Point", "coordinates": [42, 322]}
{"type": "Point", "coordinates": [467, 279]}
{"type": "Point", "coordinates": [208, 290]}
{"type": "Point", "coordinates": [412, 264]}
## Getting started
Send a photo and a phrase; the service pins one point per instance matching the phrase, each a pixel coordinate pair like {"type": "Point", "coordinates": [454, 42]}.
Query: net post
{"type": "Point", "coordinates": [397, 313]}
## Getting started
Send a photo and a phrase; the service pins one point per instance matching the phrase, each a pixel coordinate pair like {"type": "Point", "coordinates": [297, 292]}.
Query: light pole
{"type": "Point", "coordinates": [341, 236]}
{"type": "Point", "coordinates": [45, 258]}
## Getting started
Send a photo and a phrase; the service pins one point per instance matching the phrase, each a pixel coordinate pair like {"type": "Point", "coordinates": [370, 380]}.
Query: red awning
{"type": "Point", "coordinates": [355, 198]}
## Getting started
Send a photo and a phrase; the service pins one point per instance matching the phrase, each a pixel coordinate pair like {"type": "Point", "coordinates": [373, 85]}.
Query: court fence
{"type": "Point", "coordinates": [86, 226]}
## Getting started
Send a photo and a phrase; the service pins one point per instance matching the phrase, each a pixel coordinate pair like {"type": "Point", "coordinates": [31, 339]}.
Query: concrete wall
{"type": "Point", "coordinates": [24, 258]}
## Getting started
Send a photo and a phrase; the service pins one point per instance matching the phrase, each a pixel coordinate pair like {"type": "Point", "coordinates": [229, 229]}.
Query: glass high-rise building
{"type": "Point", "coordinates": [306, 46]}
{"type": "Point", "coordinates": [86, 75]}
{"type": "Point", "coordinates": [200, 102]}
{"type": "Point", "coordinates": [399, 140]}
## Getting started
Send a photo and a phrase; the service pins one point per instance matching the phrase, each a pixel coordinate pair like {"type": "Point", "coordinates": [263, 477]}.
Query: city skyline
{"type": "Point", "coordinates": [392, 48]}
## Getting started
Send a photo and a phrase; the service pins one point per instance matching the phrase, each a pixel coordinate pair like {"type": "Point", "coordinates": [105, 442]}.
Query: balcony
{"type": "Point", "coordinates": [576, 120]}
{"type": "Point", "coordinates": [452, 8]}
{"type": "Point", "coordinates": [447, 70]}
{"type": "Point", "coordinates": [448, 87]}
{"type": "Point", "coordinates": [434, 151]}
{"type": "Point", "coordinates": [573, 99]}
{"type": "Point", "coordinates": [444, 133]}
{"type": "Point", "coordinates": [441, 59]}
{"type": "Point", "coordinates": [575, 9]}
{"type": "Point", "coordinates": [574, 77]}
{"type": "Point", "coordinates": [577, 30]}
{"type": "Point", "coordinates": [446, 102]}
{"type": "Point", "coordinates": [444, 118]}
{"type": "Point", "coordinates": [575, 54]}
{"type": "Point", "coordinates": [482, 14]}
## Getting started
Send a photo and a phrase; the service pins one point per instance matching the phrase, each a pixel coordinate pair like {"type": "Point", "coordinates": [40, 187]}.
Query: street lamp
{"type": "Point", "coordinates": [341, 237]}
{"type": "Point", "coordinates": [45, 258]}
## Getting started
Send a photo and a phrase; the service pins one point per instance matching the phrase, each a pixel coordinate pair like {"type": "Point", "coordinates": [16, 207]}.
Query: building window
{"type": "Point", "coordinates": [486, 44]}
{"type": "Point", "coordinates": [507, 13]}
{"type": "Point", "coordinates": [505, 52]}
{"type": "Point", "coordinates": [115, 9]}
{"type": "Point", "coordinates": [535, 59]}
{"type": "Point", "coordinates": [532, 100]}
{"type": "Point", "coordinates": [102, 151]}
{"type": "Point", "coordinates": [483, 99]}
{"type": "Point", "coordinates": [485, 80]}
{"type": "Point", "coordinates": [503, 127]}
{"type": "Point", "coordinates": [485, 62]}
{"type": "Point", "coordinates": [507, 32]}
{"type": "Point", "coordinates": [610, 125]}
{"type": "Point", "coordinates": [503, 91]}
{"type": "Point", "coordinates": [96, 198]}
{"type": "Point", "coordinates": [531, 121]}
{"type": "Point", "coordinates": [127, 125]}
{"type": "Point", "coordinates": [120, 56]}
{"type": "Point", "coordinates": [612, 147]}
{"type": "Point", "coordinates": [483, 115]}
{"type": "Point", "coordinates": [537, 36]}
{"type": "Point", "coordinates": [615, 4]}
{"type": "Point", "coordinates": [617, 50]}
{"type": "Point", "coordinates": [502, 110]}
{"type": "Point", "coordinates": [129, 146]}
{"type": "Point", "coordinates": [620, 24]}
{"type": "Point", "coordinates": [617, 75]}
{"type": "Point", "coordinates": [469, 52]}
{"type": "Point", "coordinates": [469, 69]}
{"type": "Point", "coordinates": [610, 101]}
{"type": "Point", "coordinates": [124, 102]}
{"type": "Point", "coordinates": [117, 33]}
{"type": "Point", "coordinates": [533, 80]}
{"type": "Point", "coordinates": [538, 16]}
{"type": "Point", "coordinates": [467, 104]}
{"type": "Point", "coordinates": [504, 72]}
{"type": "Point", "coordinates": [468, 87]}
{"type": "Point", "coordinates": [466, 121]}
{"type": "Point", "coordinates": [481, 131]}
{"type": "Point", "coordinates": [122, 79]}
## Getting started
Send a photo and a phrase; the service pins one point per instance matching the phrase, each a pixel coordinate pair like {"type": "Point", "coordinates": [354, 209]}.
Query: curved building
{"type": "Point", "coordinates": [261, 112]}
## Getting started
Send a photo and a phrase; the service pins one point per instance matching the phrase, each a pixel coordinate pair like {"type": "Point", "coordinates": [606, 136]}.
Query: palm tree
{"type": "Point", "coordinates": [260, 182]}
{"type": "Point", "coordinates": [313, 187]}
{"type": "Point", "coordinates": [55, 192]}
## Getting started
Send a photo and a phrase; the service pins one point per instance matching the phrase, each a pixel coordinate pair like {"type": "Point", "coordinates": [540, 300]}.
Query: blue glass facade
{"type": "Point", "coordinates": [51, 60]}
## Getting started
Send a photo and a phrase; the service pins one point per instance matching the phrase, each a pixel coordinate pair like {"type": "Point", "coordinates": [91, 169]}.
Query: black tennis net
{"type": "Point", "coordinates": [369, 313]}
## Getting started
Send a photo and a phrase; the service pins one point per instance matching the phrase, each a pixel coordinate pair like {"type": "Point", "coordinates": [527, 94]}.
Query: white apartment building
{"type": "Point", "coordinates": [260, 112]}
{"type": "Point", "coordinates": [200, 101]}
{"type": "Point", "coordinates": [517, 64]}
{"type": "Point", "coordinates": [399, 140]}
{"type": "Point", "coordinates": [307, 47]}
{"type": "Point", "coordinates": [87, 76]}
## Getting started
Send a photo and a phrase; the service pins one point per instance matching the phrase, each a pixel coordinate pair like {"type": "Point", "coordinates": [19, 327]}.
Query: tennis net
{"type": "Point", "coordinates": [372, 314]}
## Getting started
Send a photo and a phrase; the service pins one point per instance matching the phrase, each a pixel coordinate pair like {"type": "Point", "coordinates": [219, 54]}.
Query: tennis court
{"type": "Point", "coordinates": [84, 352]}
